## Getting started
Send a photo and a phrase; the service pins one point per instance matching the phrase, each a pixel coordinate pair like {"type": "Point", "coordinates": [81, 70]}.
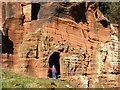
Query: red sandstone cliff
{"type": "Point", "coordinates": [76, 37]}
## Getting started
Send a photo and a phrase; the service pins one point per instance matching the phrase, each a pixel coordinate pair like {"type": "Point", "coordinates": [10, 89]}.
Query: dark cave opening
{"type": "Point", "coordinates": [54, 60]}
{"type": "Point", "coordinates": [104, 23]}
{"type": "Point", "coordinates": [78, 13]}
{"type": "Point", "coordinates": [7, 45]}
{"type": "Point", "coordinates": [35, 10]}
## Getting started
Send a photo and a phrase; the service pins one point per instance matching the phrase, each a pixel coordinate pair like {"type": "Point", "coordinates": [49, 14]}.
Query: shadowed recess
{"type": "Point", "coordinates": [78, 13]}
{"type": "Point", "coordinates": [104, 23]}
{"type": "Point", "coordinates": [35, 10]}
{"type": "Point", "coordinates": [7, 45]}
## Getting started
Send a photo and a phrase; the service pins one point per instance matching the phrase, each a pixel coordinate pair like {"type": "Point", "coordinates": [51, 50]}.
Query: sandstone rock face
{"type": "Point", "coordinates": [75, 37]}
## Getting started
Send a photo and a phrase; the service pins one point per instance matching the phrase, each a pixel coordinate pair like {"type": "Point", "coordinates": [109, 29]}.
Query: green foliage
{"type": "Point", "coordinates": [111, 10]}
{"type": "Point", "coordinates": [14, 80]}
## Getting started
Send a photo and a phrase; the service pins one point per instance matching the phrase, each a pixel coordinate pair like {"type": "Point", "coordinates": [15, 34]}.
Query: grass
{"type": "Point", "coordinates": [14, 80]}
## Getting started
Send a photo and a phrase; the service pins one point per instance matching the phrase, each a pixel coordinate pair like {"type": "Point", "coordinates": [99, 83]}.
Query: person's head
{"type": "Point", "coordinates": [53, 66]}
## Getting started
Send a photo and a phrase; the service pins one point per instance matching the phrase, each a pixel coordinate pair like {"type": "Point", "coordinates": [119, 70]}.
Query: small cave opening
{"type": "Point", "coordinates": [7, 45]}
{"type": "Point", "coordinates": [35, 11]}
{"type": "Point", "coordinates": [104, 23]}
{"type": "Point", "coordinates": [78, 13]}
{"type": "Point", "coordinates": [54, 60]}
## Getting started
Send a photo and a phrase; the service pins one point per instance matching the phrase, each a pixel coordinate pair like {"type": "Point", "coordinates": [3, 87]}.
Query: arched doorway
{"type": "Point", "coordinates": [54, 60]}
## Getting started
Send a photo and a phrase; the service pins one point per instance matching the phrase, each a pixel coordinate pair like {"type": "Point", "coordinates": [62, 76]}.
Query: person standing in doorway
{"type": "Point", "coordinates": [54, 71]}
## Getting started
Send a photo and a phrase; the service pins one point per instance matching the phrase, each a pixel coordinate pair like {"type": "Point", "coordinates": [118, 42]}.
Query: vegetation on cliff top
{"type": "Point", "coordinates": [111, 10]}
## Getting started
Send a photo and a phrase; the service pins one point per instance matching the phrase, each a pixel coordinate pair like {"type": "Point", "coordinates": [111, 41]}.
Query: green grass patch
{"type": "Point", "coordinates": [14, 80]}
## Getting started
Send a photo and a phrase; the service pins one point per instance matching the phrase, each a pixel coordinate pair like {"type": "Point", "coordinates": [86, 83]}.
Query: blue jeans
{"type": "Point", "coordinates": [53, 73]}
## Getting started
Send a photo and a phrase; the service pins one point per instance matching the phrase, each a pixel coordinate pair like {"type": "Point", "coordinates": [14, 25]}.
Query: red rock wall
{"type": "Point", "coordinates": [86, 49]}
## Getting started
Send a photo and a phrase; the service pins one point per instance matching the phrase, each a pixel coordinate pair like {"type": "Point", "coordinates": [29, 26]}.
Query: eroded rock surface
{"type": "Point", "coordinates": [75, 37]}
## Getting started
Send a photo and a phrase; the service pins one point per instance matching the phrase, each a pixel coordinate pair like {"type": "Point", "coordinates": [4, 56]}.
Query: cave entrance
{"type": "Point", "coordinates": [104, 23]}
{"type": "Point", "coordinates": [54, 60]}
{"type": "Point", "coordinates": [7, 45]}
{"type": "Point", "coordinates": [78, 13]}
{"type": "Point", "coordinates": [35, 10]}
